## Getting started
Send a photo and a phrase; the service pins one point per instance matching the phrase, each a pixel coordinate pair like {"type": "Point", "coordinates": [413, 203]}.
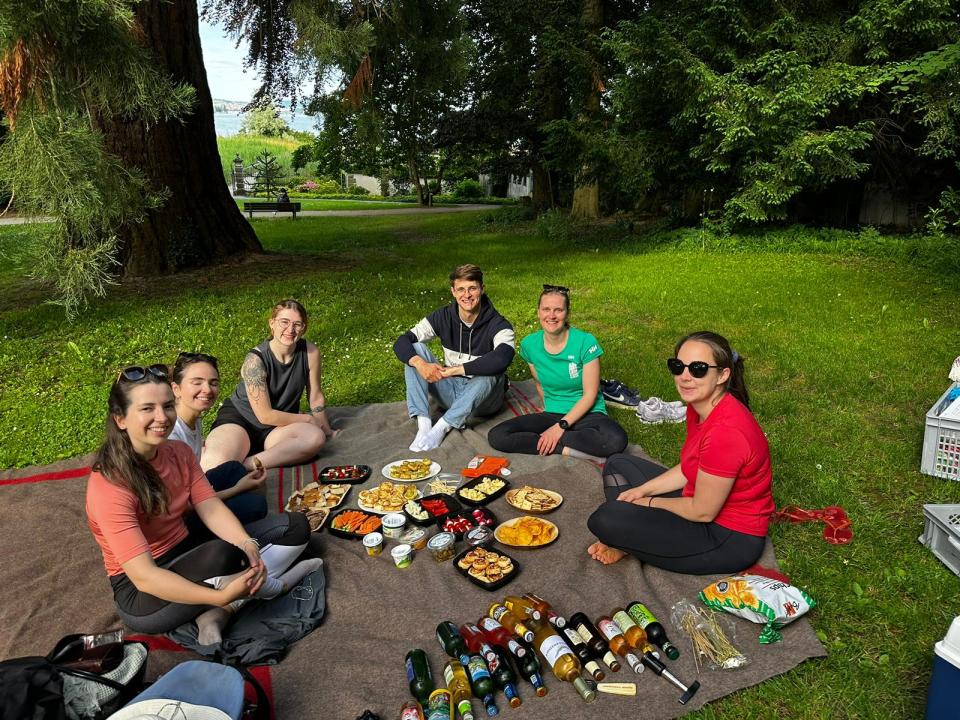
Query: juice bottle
{"type": "Point", "coordinates": [522, 608]}
{"type": "Point", "coordinates": [658, 636]}
{"type": "Point", "coordinates": [496, 634]}
{"type": "Point", "coordinates": [558, 621]}
{"type": "Point", "coordinates": [591, 636]}
{"type": "Point", "coordinates": [580, 649]}
{"type": "Point", "coordinates": [459, 686]}
{"type": "Point", "coordinates": [635, 634]}
{"type": "Point", "coordinates": [618, 643]}
{"type": "Point", "coordinates": [419, 677]}
{"type": "Point", "coordinates": [560, 659]}
{"type": "Point", "coordinates": [440, 707]}
{"type": "Point", "coordinates": [501, 613]}
{"type": "Point", "coordinates": [505, 678]}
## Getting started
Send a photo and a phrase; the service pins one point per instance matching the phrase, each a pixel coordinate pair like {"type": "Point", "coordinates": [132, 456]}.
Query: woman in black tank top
{"type": "Point", "coordinates": [261, 421]}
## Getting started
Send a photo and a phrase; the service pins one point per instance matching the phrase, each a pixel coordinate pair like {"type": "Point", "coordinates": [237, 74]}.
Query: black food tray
{"type": "Point", "coordinates": [489, 498]}
{"type": "Point", "coordinates": [365, 472]}
{"type": "Point", "coordinates": [453, 507]}
{"type": "Point", "coordinates": [468, 514]}
{"type": "Point", "coordinates": [487, 585]}
{"type": "Point", "coordinates": [346, 533]}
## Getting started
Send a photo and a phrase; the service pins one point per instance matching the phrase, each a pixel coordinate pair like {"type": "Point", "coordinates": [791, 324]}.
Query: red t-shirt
{"type": "Point", "coordinates": [118, 523]}
{"type": "Point", "coordinates": [730, 444]}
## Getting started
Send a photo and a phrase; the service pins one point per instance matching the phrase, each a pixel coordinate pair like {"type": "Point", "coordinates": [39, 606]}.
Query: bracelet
{"type": "Point", "coordinates": [650, 501]}
{"type": "Point", "coordinates": [256, 543]}
{"type": "Point", "coordinates": [318, 409]}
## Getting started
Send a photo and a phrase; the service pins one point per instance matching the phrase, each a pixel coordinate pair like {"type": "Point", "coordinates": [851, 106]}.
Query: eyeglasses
{"type": "Point", "coordinates": [698, 368]}
{"type": "Point", "coordinates": [556, 288]}
{"type": "Point", "coordinates": [296, 325]}
{"type": "Point", "coordinates": [136, 373]}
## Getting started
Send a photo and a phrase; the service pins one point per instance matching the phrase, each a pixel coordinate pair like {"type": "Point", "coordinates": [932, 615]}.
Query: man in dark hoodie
{"type": "Point", "coordinates": [478, 346]}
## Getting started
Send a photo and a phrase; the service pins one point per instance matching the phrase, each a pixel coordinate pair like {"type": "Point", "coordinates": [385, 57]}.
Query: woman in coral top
{"type": "Point", "coordinates": [709, 514]}
{"type": "Point", "coordinates": [162, 575]}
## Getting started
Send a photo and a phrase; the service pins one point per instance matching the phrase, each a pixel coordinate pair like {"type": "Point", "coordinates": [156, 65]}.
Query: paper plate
{"type": "Point", "coordinates": [555, 496]}
{"type": "Point", "coordinates": [498, 533]}
{"type": "Point", "coordinates": [434, 471]}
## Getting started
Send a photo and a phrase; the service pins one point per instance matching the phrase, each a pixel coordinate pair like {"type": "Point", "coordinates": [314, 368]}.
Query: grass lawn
{"type": "Point", "coordinates": [318, 204]}
{"type": "Point", "coordinates": [845, 352]}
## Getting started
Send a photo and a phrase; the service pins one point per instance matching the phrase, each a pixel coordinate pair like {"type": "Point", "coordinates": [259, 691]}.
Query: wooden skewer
{"type": "Point", "coordinates": [617, 688]}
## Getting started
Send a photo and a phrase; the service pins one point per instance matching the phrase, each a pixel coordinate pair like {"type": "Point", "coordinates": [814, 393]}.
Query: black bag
{"type": "Point", "coordinates": [31, 687]}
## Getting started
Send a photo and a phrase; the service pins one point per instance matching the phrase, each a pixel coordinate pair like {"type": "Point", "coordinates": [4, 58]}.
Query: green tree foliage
{"type": "Point", "coordinates": [267, 172]}
{"type": "Point", "coordinates": [64, 64]}
{"type": "Point", "coordinates": [302, 156]}
{"type": "Point", "coordinates": [265, 120]}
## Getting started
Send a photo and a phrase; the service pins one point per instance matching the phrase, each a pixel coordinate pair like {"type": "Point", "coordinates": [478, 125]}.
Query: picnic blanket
{"type": "Point", "coordinates": [52, 582]}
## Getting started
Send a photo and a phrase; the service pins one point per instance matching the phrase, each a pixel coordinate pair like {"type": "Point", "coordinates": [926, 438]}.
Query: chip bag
{"type": "Point", "coordinates": [759, 599]}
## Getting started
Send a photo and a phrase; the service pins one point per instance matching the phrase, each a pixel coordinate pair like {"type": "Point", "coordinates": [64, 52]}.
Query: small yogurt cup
{"type": "Point", "coordinates": [402, 555]}
{"type": "Point", "coordinates": [373, 542]}
{"type": "Point", "coordinates": [393, 524]}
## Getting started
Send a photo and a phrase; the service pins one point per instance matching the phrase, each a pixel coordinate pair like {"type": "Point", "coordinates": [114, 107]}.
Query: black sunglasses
{"type": "Point", "coordinates": [136, 373]}
{"type": "Point", "coordinates": [556, 288]}
{"type": "Point", "coordinates": [698, 368]}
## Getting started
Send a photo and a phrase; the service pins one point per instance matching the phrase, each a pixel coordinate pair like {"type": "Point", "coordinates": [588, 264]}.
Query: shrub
{"type": "Point", "coordinates": [357, 190]}
{"type": "Point", "coordinates": [555, 226]}
{"type": "Point", "coordinates": [468, 189]}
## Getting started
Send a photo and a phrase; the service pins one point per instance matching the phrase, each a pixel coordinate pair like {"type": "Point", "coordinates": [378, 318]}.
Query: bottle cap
{"type": "Point", "coordinates": [671, 651]}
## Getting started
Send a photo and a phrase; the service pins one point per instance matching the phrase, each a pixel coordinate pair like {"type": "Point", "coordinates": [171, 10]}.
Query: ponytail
{"type": "Point", "coordinates": [723, 357]}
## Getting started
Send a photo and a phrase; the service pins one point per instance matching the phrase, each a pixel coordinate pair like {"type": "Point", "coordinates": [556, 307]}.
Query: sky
{"type": "Point", "coordinates": [224, 63]}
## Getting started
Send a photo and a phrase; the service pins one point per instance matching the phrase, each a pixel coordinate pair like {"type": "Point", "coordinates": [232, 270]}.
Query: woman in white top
{"type": "Point", "coordinates": [196, 386]}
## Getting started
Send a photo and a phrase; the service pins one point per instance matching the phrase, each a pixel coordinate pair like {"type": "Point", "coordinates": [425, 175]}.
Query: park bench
{"type": "Point", "coordinates": [252, 207]}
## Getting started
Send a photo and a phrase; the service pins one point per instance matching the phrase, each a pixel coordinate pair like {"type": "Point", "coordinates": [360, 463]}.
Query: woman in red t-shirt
{"type": "Point", "coordinates": [163, 575]}
{"type": "Point", "coordinates": [709, 514]}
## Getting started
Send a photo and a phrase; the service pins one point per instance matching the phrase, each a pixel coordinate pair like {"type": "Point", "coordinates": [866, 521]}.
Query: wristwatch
{"type": "Point", "coordinates": [564, 425]}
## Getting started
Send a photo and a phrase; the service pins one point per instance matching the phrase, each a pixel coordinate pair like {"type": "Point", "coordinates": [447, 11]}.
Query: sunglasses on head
{"type": "Point", "coordinates": [556, 288]}
{"type": "Point", "coordinates": [136, 373]}
{"type": "Point", "coordinates": [698, 368]}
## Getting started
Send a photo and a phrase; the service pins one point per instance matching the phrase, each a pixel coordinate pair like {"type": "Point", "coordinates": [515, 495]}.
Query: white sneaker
{"type": "Point", "coordinates": [654, 411]}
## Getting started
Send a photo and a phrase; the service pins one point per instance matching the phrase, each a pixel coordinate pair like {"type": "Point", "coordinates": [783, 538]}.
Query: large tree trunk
{"type": "Point", "coordinates": [200, 222]}
{"type": "Point", "coordinates": [586, 195]}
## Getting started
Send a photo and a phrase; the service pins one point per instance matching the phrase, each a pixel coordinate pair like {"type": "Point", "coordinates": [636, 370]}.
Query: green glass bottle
{"type": "Point", "coordinates": [419, 677]}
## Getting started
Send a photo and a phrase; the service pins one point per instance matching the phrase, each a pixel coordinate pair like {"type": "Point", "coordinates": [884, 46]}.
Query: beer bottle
{"type": "Point", "coordinates": [580, 649]}
{"type": "Point", "coordinates": [410, 710]}
{"type": "Point", "coordinates": [635, 634]}
{"type": "Point", "coordinates": [522, 608]}
{"type": "Point", "coordinates": [476, 642]}
{"type": "Point", "coordinates": [618, 643]}
{"type": "Point", "coordinates": [449, 638]}
{"type": "Point", "coordinates": [419, 676]}
{"type": "Point", "coordinates": [496, 634]}
{"type": "Point", "coordinates": [459, 686]}
{"type": "Point", "coordinates": [560, 659]}
{"type": "Point", "coordinates": [481, 683]}
{"type": "Point", "coordinates": [505, 678]}
{"type": "Point", "coordinates": [440, 706]}
{"type": "Point", "coordinates": [529, 667]}
{"type": "Point", "coordinates": [558, 621]}
{"type": "Point", "coordinates": [501, 613]}
{"type": "Point", "coordinates": [591, 636]}
{"type": "Point", "coordinates": [655, 631]}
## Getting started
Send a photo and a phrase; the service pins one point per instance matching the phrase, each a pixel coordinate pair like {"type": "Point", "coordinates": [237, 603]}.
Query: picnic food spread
{"type": "Point", "coordinates": [387, 497]}
{"type": "Point", "coordinates": [345, 472]}
{"type": "Point", "coordinates": [534, 499]}
{"type": "Point", "coordinates": [486, 565]}
{"type": "Point", "coordinates": [357, 522]}
{"type": "Point", "coordinates": [527, 531]}
{"type": "Point", "coordinates": [316, 496]}
{"type": "Point", "coordinates": [411, 469]}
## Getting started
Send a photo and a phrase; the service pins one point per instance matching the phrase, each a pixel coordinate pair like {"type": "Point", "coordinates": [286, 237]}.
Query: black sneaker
{"type": "Point", "coordinates": [616, 393]}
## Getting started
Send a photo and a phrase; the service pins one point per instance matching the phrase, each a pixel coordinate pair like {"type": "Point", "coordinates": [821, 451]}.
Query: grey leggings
{"type": "Point", "coordinates": [660, 537]}
{"type": "Point", "coordinates": [196, 558]}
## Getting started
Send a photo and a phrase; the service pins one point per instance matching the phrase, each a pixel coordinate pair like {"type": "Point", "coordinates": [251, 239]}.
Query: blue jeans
{"type": "Point", "coordinates": [196, 682]}
{"type": "Point", "coordinates": [247, 506]}
{"type": "Point", "coordinates": [461, 397]}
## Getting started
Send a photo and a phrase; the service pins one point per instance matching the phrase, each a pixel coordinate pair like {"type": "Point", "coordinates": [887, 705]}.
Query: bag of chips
{"type": "Point", "coordinates": [759, 599]}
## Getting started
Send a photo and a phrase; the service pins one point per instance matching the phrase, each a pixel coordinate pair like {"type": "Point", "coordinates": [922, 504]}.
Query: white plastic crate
{"type": "Point", "coordinates": [941, 533]}
{"type": "Point", "coordinates": [941, 442]}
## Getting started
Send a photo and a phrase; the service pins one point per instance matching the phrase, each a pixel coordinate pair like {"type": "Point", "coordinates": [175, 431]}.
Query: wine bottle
{"type": "Point", "coordinates": [501, 613]}
{"type": "Point", "coordinates": [459, 686]}
{"type": "Point", "coordinates": [655, 631]}
{"type": "Point", "coordinates": [618, 643]}
{"type": "Point", "coordinates": [419, 677]}
{"type": "Point", "coordinates": [531, 670]}
{"type": "Point", "coordinates": [505, 678]}
{"type": "Point", "coordinates": [580, 649]}
{"type": "Point", "coordinates": [496, 634]}
{"type": "Point", "coordinates": [522, 608]}
{"type": "Point", "coordinates": [558, 621]}
{"type": "Point", "coordinates": [591, 636]}
{"type": "Point", "coordinates": [561, 659]}
{"type": "Point", "coordinates": [635, 635]}
{"type": "Point", "coordinates": [453, 645]}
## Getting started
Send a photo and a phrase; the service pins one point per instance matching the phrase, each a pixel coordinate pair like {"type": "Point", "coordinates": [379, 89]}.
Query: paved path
{"type": "Point", "coordinates": [17, 220]}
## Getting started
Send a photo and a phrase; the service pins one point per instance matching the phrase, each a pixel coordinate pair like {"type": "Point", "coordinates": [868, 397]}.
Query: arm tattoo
{"type": "Point", "coordinates": [254, 376]}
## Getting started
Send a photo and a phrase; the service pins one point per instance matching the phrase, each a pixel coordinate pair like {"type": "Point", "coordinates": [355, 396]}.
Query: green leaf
{"type": "Point", "coordinates": [857, 590]}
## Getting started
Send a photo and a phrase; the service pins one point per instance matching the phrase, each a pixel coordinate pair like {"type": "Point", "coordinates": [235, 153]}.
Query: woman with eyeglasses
{"type": "Point", "coordinates": [261, 421]}
{"type": "Point", "coordinates": [196, 386]}
{"type": "Point", "coordinates": [565, 363]}
{"type": "Point", "coordinates": [162, 574]}
{"type": "Point", "coordinates": [708, 514]}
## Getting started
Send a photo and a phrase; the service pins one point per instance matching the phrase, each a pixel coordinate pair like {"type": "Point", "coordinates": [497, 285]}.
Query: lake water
{"type": "Point", "coordinates": [229, 123]}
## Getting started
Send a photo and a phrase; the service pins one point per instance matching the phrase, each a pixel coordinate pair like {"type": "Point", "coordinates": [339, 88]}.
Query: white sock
{"type": "Point", "coordinates": [210, 625]}
{"type": "Point", "coordinates": [423, 427]}
{"type": "Point", "coordinates": [291, 578]}
{"type": "Point", "coordinates": [436, 435]}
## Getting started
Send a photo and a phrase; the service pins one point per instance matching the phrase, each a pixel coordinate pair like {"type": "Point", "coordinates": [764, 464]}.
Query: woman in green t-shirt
{"type": "Point", "coordinates": [565, 363]}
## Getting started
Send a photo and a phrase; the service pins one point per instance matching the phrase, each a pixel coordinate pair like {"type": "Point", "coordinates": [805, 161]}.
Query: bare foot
{"type": "Point", "coordinates": [605, 554]}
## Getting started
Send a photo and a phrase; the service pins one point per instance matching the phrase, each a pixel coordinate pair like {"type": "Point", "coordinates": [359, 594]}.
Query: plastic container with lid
{"type": "Point", "coordinates": [481, 535]}
{"type": "Point", "coordinates": [442, 546]}
{"type": "Point", "coordinates": [416, 537]}
{"type": "Point", "coordinates": [402, 555]}
{"type": "Point", "coordinates": [393, 524]}
{"type": "Point", "coordinates": [373, 542]}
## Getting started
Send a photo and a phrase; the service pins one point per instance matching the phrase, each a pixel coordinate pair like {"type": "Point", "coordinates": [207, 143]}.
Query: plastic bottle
{"type": "Point", "coordinates": [561, 659]}
{"type": "Point", "coordinates": [522, 608]}
{"type": "Point", "coordinates": [440, 705]}
{"type": "Point", "coordinates": [591, 636]}
{"type": "Point", "coordinates": [558, 621]}
{"type": "Point", "coordinates": [496, 634]}
{"type": "Point", "coordinates": [635, 635]}
{"type": "Point", "coordinates": [580, 649]}
{"type": "Point", "coordinates": [501, 613]}
{"type": "Point", "coordinates": [655, 631]}
{"type": "Point", "coordinates": [618, 643]}
{"type": "Point", "coordinates": [459, 686]}
{"type": "Point", "coordinates": [453, 645]}
{"type": "Point", "coordinates": [419, 677]}
{"type": "Point", "coordinates": [529, 667]}
{"type": "Point", "coordinates": [505, 677]}
{"type": "Point", "coordinates": [410, 710]}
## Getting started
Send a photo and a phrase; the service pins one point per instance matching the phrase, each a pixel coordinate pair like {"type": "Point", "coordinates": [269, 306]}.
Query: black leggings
{"type": "Point", "coordinates": [198, 558]}
{"type": "Point", "coordinates": [595, 434]}
{"type": "Point", "coordinates": [660, 537]}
